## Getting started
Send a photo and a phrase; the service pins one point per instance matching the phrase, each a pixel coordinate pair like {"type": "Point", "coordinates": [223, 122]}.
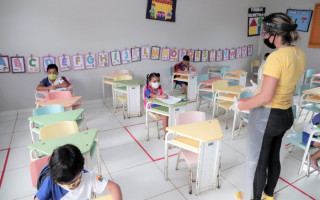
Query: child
{"type": "Point", "coordinates": [65, 178]}
{"type": "Point", "coordinates": [154, 90]}
{"type": "Point", "coordinates": [305, 137]}
{"type": "Point", "coordinates": [52, 82]}
{"type": "Point", "coordinates": [184, 65]}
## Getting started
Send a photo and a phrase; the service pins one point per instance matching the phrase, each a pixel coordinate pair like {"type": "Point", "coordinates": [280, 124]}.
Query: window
{"type": "Point", "coordinates": [314, 39]}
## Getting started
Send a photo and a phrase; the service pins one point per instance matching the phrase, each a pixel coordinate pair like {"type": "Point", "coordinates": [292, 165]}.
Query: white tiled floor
{"type": "Point", "coordinates": [141, 176]}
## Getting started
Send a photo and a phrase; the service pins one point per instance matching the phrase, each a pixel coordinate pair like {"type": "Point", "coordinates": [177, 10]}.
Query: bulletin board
{"type": "Point", "coordinates": [301, 17]}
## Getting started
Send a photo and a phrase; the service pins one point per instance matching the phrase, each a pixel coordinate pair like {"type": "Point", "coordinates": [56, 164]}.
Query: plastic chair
{"type": "Point", "coordinates": [121, 71]}
{"type": "Point", "coordinates": [255, 64]}
{"type": "Point", "coordinates": [303, 104]}
{"type": "Point", "coordinates": [62, 95]}
{"type": "Point", "coordinates": [121, 98]}
{"type": "Point", "coordinates": [191, 158]}
{"type": "Point", "coordinates": [35, 168]}
{"type": "Point", "coordinates": [309, 74]}
{"type": "Point", "coordinates": [58, 129]}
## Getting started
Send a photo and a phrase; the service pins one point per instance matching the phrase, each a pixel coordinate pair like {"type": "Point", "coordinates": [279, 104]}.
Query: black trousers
{"type": "Point", "coordinates": [268, 167]}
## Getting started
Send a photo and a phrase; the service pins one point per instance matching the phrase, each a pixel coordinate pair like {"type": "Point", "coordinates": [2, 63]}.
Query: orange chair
{"type": "Point", "coordinates": [35, 168]}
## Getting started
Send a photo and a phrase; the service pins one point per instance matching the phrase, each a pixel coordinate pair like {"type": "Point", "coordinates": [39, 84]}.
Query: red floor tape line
{"type": "Point", "coordinates": [4, 166]}
{"type": "Point", "coordinates": [139, 124]}
{"type": "Point", "coordinates": [297, 188]}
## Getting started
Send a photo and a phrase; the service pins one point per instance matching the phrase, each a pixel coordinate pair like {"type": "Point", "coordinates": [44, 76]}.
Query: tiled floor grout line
{"type": "Point", "coordinates": [301, 191]}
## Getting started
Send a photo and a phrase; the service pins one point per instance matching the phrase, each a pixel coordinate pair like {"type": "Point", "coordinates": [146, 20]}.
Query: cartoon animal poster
{"type": "Point", "coordinates": [115, 58]}
{"type": "Point", "coordinates": [255, 17]}
{"type": "Point", "coordinates": [238, 52]}
{"type": "Point", "coordinates": [47, 60]}
{"type": "Point", "coordinates": [103, 59]}
{"type": "Point", "coordinates": [33, 64]}
{"type": "Point", "coordinates": [182, 52]}
{"type": "Point", "coordinates": [165, 54]}
{"type": "Point", "coordinates": [232, 54]}
{"type": "Point", "coordinates": [190, 53]}
{"type": "Point", "coordinates": [174, 55]}
{"type": "Point", "coordinates": [90, 61]}
{"type": "Point", "coordinates": [145, 52]}
{"type": "Point", "coordinates": [244, 52]}
{"type": "Point", "coordinates": [18, 64]}
{"type": "Point", "coordinates": [155, 53]}
{"type": "Point", "coordinates": [136, 54]}
{"type": "Point", "coordinates": [164, 10]}
{"type": "Point", "coordinates": [225, 54]}
{"type": "Point", "coordinates": [4, 64]}
{"type": "Point", "coordinates": [219, 55]}
{"type": "Point", "coordinates": [64, 63]}
{"type": "Point", "coordinates": [126, 56]}
{"type": "Point", "coordinates": [78, 62]}
{"type": "Point", "coordinates": [204, 56]}
{"type": "Point", "coordinates": [212, 55]}
{"type": "Point", "coordinates": [250, 50]}
{"type": "Point", "coordinates": [197, 56]}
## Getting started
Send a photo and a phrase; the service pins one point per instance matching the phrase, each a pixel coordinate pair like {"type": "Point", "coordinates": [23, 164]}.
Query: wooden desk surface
{"type": "Point", "coordinates": [237, 71]}
{"type": "Point", "coordinates": [112, 76]}
{"type": "Point", "coordinates": [185, 73]}
{"type": "Point", "coordinates": [236, 89]}
{"type": "Point", "coordinates": [210, 81]}
{"type": "Point", "coordinates": [66, 102]}
{"type": "Point", "coordinates": [313, 91]}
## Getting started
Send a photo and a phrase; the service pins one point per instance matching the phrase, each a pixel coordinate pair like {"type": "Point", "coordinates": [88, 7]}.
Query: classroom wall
{"type": "Point", "coordinates": [66, 27]}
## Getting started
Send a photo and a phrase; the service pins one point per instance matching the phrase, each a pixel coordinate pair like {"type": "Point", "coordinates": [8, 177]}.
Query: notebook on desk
{"type": "Point", "coordinates": [170, 100]}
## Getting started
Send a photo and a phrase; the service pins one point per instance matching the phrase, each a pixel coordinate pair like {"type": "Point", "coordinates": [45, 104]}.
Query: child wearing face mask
{"type": "Point", "coordinates": [154, 90]}
{"type": "Point", "coordinates": [52, 82]}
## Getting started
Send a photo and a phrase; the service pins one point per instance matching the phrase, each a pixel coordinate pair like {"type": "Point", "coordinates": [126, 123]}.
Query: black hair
{"type": "Point", "coordinates": [65, 163]}
{"type": "Point", "coordinates": [52, 66]}
{"type": "Point", "coordinates": [186, 58]}
{"type": "Point", "coordinates": [150, 76]}
{"type": "Point", "coordinates": [266, 55]}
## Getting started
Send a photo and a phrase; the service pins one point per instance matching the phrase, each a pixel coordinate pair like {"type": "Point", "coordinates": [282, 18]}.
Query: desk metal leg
{"type": "Point", "coordinates": [192, 87]}
{"type": "Point", "coordinates": [243, 79]}
{"type": "Point", "coordinates": [133, 101]}
{"type": "Point", "coordinates": [103, 92]}
{"type": "Point", "coordinates": [173, 112]}
{"type": "Point", "coordinates": [166, 157]}
{"type": "Point", "coordinates": [234, 124]}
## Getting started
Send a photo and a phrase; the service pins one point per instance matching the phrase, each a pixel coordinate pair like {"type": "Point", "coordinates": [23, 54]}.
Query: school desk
{"type": "Point", "coordinates": [66, 102]}
{"type": "Point", "coordinates": [216, 70]}
{"type": "Point", "coordinates": [132, 89]}
{"type": "Point", "coordinates": [239, 75]}
{"type": "Point", "coordinates": [191, 79]}
{"type": "Point", "coordinates": [205, 86]}
{"type": "Point", "coordinates": [203, 138]}
{"type": "Point", "coordinates": [86, 141]}
{"type": "Point", "coordinates": [315, 80]}
{"type": "Point", "coordinates": [107, 79]}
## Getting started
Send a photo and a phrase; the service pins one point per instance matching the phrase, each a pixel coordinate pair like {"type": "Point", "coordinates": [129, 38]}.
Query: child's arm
{"type": "Point", "coordinates": [163, 96]}
{"type": "Point", "coordinates": [36, 198]}
{"type": "Point", "coordinates": [193, 68]}
{"type": "Point", "coordinates": [41, 87]}
{"type": "Point", "coordinates": [64, 84]}
{"type": "Point", "coordinates": [114, 190]}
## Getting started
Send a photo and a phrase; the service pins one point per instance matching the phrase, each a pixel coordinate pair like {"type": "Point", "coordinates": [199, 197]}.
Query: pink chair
{"type": "Point", "coordinates": [121, 71]}
{"type": "Point", "coordinates": [35, 168]}
{"type": "Point", "coordinates": [61, 95]}
{"type": "Point", "coordinates": [190, 157]}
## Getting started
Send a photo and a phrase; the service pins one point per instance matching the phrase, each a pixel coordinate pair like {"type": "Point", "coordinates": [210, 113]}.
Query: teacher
{"type": "Point", "coordinates": [271, 113]}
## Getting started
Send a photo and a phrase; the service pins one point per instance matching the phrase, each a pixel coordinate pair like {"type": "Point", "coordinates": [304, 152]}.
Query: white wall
{"type": "Point", "coordinates": [56, 27]}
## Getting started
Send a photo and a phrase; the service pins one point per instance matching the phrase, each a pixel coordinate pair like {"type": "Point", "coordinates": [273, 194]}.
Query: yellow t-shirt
{"type": "Point", "coordinates": [287, 64]}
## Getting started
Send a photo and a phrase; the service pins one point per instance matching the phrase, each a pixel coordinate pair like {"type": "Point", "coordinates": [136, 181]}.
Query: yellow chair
{"type": "Point", "coordinates": [106, 197]}
{"type": "Point", "coordinates": [255, 63]}
{"type": "Point", "coordinates": [121, 98]}
{"type": "Point", "coordinates": [58, 129]}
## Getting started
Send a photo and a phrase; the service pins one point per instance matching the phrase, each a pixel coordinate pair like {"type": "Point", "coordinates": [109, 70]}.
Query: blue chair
{"type": "Point", "coordinates": [45, 110]}
{"type": "Point", "coordinates": [202, 77]}
{"type": "Point", "coordinates": [230, 82]}
{"type": "Point", "coordinates": [309, 74]}
{"type": "Point", "coordinates": [313, 107]}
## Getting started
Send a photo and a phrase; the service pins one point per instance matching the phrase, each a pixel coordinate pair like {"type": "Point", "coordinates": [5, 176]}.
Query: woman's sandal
{"type": "Point", "coordinates": [239, 195]}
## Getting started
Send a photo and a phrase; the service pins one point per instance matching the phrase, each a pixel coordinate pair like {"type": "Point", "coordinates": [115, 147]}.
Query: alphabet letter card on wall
{"type": "Point", "coordinates": [197, 56]}
{"type": "Point", "coordinates": [103, 59]}
{"type": "Point", "coordinates": [165, 54]}
{"type": "Point", "coordinates": [17, 64]}
{"type": "Point", "coordinates": [232, 54]}
{"type": "Point", "coordinates": [90, 61]}
{"type": "Point", "coordinates": [47, 60]}
{"type": "Point", "coordinates": [145, 52]}
{"type": "Point", "coordinates": [244, 52]}
{"type": "Point", "coordinates": [155, 53]}
{"type": "Point", "coordinates": [78, 62]}
{"type": "Point", "coordinates": [33, 64]}
{"type": "Point", "coordinates": [174, 55]}
{"type": "Point", "coordinates": [115, 58]}
{"type": "Point", "coordinates": [136, 54]}
{"type": "Point", "coordinates": [238, 52]}
{"type": "Point", "coordinates": [190, 53]}
{"type": "Point", "coordinates": [204, 56]}
{"type": "Point", "coordinates": [4, 64]}
{"type": "Point", "coordinates": [126, 56]}
{"type": "Point", "coordinates": [182, 52]}
{"type": "Point", "coordinates": [226, 54]}
{"type": "Point", "coordinates": [64, 63]}
{"type": "Point", "coordinates": [212, 55]}
{"type": "Point", "coordinates": [250, 50]}
{"type": "Point", "coordinates": [219, 55]}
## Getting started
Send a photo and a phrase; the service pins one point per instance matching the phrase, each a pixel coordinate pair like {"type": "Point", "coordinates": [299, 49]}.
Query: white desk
{"type": "Point", "coordinates": [191, 79]}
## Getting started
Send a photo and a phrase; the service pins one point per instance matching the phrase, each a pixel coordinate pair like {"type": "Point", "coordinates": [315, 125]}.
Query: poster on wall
{"type": "Point", "coordinates": [145, 52]}
{"type": "Point", "coordinates": [232, 54]}
{"type": "Point", "coordinates": [164, 10]}
{"type": "Point", "coordinates": [255, 17]}
{"type": "Point", "coordinates": [64, 63]}
{"type": "Point", "coordinates": [250, 50]}
{"type": "Point", "coordinates": [244, 52]}
{"type": "Point", "coordinates": [174, 55]}
{"type": "Point", "coordinates": [33, 64]}
{"type": "Point", "coordinates": [90, 61]}
{"type": "Point", "coordinates": [165, 54]}
{"type": "Point", "coordinates": [4, 64]}
{"type": "Point", "coordinates": [197, 56]}
{"type": "Point", "coordinates": [78, 62]}
{"type": "Point", "coordinates": [47, 60]}
{"type": "Point", "coordinates": [219, 55]}
{"type": "Point", "coordinates": [126, 56]}
{"type": "Point", "coordinates": [182, 53]}
{"type": "Point", "coordinates": [115, 58]}
{"type": "Point", "coordinates": [301, 17]}
{"type": "Point", "coordinates": [238, 52]}
{"type": "Point", "coordinates": [190, 53]}
{"type": "Point", "coordinates": [155, 53]}
{"type": "Point", "coordinates": [103, 59]}
{"type": "Point", "coordinates": [18, 64]}
{"type": "Point", "coordinates": [226, 54]}
{"type": "Point", "coordinates": [204, 56]}
{"type": "Point", "coordinates": [136, 54]}
{"type": "Point", "coordinates": [212, 55]}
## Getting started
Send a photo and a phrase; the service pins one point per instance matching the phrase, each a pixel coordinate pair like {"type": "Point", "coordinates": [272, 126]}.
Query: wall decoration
{"type": "Point", "coordinates": [165, 54]}
{"type": "Point", "coordinates": [155, 53]}
{"type": "Point", "coordinates": [225, 54]}
{"type": "Point", "coordinates": [232, 54]}
{"type": "Point", "coordinates": [238, 52]}
{"type": "Point", "coordinates": [115, 58]}
{"type": "Point", "coordinates": [136, 54]}
{"type": "Point", "coordinates": [47, 60]}
{"type": "Point", "coordinates": [33, 64]}
{"type": "Point", "coordinates": [250, 50]}
{"type": "Point", "coordinates": [4, 64]}
{"type": "Point", "coordinates": [18, 64]}
{"type": "Point", "coordinates": [64, 63]}
{"type": "Point", "coordinates": [126, 56]}
{"type": "Point", "coordinates": [255, 17]}
{"type": "Point", "coordinates": [244, 52]}
{"type": "Point", "coordinates": [174, 55]}
{"type": "Point", "coordinates": [145, 52]}
{"type": "Point", "coordinates": [90, 61]}
{"type": "Point", "coordinates": [219, 55]}
{"type": "Point", "coordinates": [204, 56]}
{"type": "Point", "coordinates": [182, 53]}
{"type": "Point", "coordinates": [197, 56]}
{"type": "Point", "coordinates": [212, 55]}
{"type": "Point", "coordinates": [190, 53]}
{"type": "Point", "coordinates": [103, 59]}
{"type": "Point", "coordinates": [164, 10]}
{"type": "Point", "coordinates": [301, 17]}
{"type": "Point", "coordinates": [78, 62]}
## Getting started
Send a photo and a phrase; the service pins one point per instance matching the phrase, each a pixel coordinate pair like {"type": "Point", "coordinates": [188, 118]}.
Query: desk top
{"type": "Point", "coordinates": [313, 91]}
{"type": "Point", "coordinates": [236, 89]}
{"type": "Point", "coordinates": [45, 120]}
{"type": "Point", "coordinates": [133, 82]}
{"type": "Point", "coordinates": [237, 71]}
{"type": "Point", "coordinates": [185, 73]}
{"type": "Point", "coordinates": [206, 131]}
{"type": "Point", "coordinates": [83, 140]}
{"type": "Point", "coordinates": [112, 76]}
{"type": "Point", "coordinates": [157, 101]}
{"type": "Point", "coordinates": [66, 102]}
{"type": "Point", "coordinates": [217, 67]}
{"type": "Point", "coordinates": [210, 81]}
{"type": "Point", "coordinates": [316, 75]}
{"type": "Point", "coordinates": [315, 99]}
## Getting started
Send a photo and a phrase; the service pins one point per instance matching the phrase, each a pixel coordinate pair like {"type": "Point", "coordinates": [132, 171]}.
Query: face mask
{"type": "Point", "coordinates": [155, 85]}
{"type": "Point", "coordinates": [52, 77]}
{"type": "Point", "coordinates": [268, 43]}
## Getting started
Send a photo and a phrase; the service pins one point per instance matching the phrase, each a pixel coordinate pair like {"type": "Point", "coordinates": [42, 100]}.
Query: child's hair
{"type": "Point", "coordinates": [186, 58]}
{"type": "Point", "coordinates": [150, 76]}
{"type": "Point", "coordinates": [65, 163]}
{"type": "Point", "coordinates": [52, 66]}
{"type": "Point", "coordinates": [266, 55]}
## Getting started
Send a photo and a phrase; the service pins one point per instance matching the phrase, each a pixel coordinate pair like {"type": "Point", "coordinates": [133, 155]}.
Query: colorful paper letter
{"type": "Point", "coordinates": [219, 55]}
{"type": "Point", "coordinates": [78, 62]}
{"type": "Point", "coordinates": [182, 52]}
{"type": "Point", "coordinates": [238, 53]}
{"type": "Point", "coordinates": [204, 56]}
{"type": "Point", "coordinates": [155, 53]}
{"type": "Point", "coordinates": [103, 59]}
{"type": "Point", "coordinates": [4, 64]}
{"type": "Point", "coordinates": [64, 63]}
{"type": "Point", "coordinates": [145, 52]}
{"type": "Point", "coordinates": [17, 64]}
{"type": "Point", "coordinates": [165, 54]}
{"type": "Point", "coordinates": [226, 54]}
{"type": "Point", "coordinates": [232, 54]}
{"type": "Point", "coordinates": [174, 55]}
{"type": "Point", "coordinates": [212, 55]}
{"type": "Point", "coordinates": [126, 56]}
{"type": "Point", "coordinates": [197, 56]}
{"type": "Point", "coordinates": [244, 52]}
{"type": "Point", "coordinates": [115, 58]}
{"type": "Point", "coordinates": [190, 53]}
{"type": "Point", "coordinates": [33, 64]}
{"type": "Point", "coordinates": [90, 61]}
{"type": "Point", "coordinates": [136, 54]}
{"type": "Point", "coordinates": [47, 60]}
